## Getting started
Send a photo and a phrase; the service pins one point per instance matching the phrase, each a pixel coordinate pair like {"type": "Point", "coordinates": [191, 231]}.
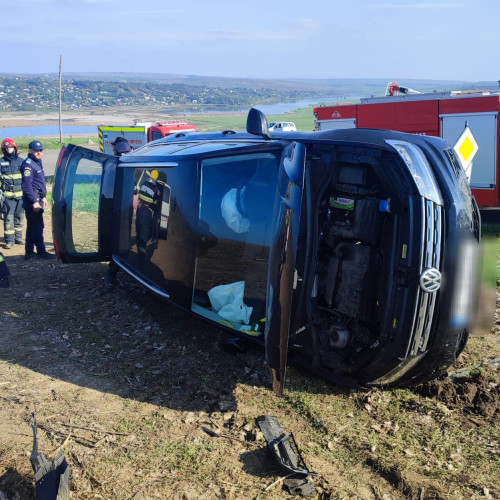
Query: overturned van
{"type": "Point", "coordinates": [352, 253]}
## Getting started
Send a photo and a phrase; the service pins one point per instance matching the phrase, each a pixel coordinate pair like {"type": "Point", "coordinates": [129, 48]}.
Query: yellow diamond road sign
{"type": "Point", "coordinates": [465, 148]}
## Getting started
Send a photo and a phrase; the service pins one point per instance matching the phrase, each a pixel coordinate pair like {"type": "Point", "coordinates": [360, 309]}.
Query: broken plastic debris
{"type": "Point", "coordinates": [283, 446]}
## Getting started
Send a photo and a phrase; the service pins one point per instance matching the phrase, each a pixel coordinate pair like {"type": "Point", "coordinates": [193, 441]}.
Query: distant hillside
{"type": "Point", "coordinates": [173, 93]}
{"type": "Point", "coordinates": [351, 85]}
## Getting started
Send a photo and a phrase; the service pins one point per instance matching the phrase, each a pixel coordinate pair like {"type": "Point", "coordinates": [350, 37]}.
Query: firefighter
{"type": "Point", "coordinates": [147, 212]}
{"type": "Point", "coordinates": [12, 194]}
{"type": "Point", "coordinates": [35, 201]}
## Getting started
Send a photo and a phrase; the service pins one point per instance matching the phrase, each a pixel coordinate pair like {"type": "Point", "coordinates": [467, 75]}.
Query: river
{"type": "Point", "coordinates": [51, 130]}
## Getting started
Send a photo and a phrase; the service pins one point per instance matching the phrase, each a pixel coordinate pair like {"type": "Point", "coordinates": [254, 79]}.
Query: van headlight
{"type": "Point", "coordinates": [419, 168]}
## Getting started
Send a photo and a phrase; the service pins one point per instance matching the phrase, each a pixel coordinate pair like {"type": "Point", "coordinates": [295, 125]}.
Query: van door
{"type": "Point", "coordinates": [283, 253]}
{"type": "Point", "coordinates": [82, 205]}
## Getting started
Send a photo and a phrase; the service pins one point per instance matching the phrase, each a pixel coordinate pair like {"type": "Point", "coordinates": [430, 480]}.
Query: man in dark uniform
{"type": "Point", "coordinates": [147, 212]}
{"type": "Point", "coordinates": [35, 201]}
{"type": "Point", "coordinates": [121, 147]}
{"type": "Point", "coordinates": [12, 193]}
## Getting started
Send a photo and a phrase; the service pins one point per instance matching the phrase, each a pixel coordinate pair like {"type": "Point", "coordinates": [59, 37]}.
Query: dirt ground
{"type": "Point", "coordinates": [123, 114]}
{"type": "Point", "coordinates": [27, 118]}
{"type": "Point", "coordinates": [145, 403]}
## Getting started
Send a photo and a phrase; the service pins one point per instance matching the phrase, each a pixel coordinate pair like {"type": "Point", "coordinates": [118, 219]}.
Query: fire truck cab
{"type": "Point", "coordinates": [441, 114]}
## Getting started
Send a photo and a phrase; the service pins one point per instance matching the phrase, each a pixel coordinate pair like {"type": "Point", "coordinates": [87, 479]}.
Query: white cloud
{"type": "Point", "coordinates": [490, 37]}
{"type": "Point", "coordinates": [209, 35]}
{"type": "Point", "coordinates": [418, 6]}
{"type": "Point", "coordinates": [309, 24]}
{"type": "Point", "coordinates": [148, 13]}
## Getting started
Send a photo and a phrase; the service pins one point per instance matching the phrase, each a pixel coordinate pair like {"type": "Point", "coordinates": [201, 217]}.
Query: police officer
{"type": "Point", "coordinates": [12, 193]}
{"type": "Point", "coordinates": [35, 201]}
{"type": "Point", "coordinates": [121, 147]}
{"type": "Point", "coordinates": [147, 210]}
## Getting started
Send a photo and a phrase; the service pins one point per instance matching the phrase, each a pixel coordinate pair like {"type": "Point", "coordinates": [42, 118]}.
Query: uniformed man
{"type": "Point", "coordinates": [121, 146]}
{"type": "Point", "coordinates": [35, 201]}
{"type": "Point", "coordinates": [12, 193]}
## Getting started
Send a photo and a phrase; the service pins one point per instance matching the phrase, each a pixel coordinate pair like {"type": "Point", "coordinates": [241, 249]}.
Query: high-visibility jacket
{"type": "Point", "coordinates": [148, 194]}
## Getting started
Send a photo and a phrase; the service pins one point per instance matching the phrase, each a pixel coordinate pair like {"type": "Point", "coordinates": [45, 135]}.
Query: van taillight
{"type": "Point", "coordinates": [61, 154]}
{"type": "Point", "coordinates": [57, 249]}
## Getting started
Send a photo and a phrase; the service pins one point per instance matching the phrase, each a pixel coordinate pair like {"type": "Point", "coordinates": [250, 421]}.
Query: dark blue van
{"type": "Point", "coordinates": [352, 253]}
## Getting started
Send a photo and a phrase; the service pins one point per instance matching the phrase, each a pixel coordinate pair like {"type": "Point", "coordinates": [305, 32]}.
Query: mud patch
{"type": "Point", "coordinates": [16, 485]}
{"type": "Point", "coordinates": [477, 395]}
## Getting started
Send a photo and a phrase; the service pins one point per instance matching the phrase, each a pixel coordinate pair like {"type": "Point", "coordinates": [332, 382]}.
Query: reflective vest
{"type": "Point", "coordinates": [148, 193]}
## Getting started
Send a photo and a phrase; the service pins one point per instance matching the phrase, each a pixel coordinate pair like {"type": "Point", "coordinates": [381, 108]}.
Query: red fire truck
{"type": "Point", "coordinates": [442, 114]}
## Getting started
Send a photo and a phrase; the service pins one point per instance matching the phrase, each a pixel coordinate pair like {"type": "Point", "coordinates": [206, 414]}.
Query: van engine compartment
{"type": "Point", "coordinates": [354, 218]}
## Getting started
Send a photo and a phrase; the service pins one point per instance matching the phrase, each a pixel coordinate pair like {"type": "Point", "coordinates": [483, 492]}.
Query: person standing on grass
{"type": "Point", "coordinates": [35, 202]}
{"type": "Point", "coordinates": [12, 194]}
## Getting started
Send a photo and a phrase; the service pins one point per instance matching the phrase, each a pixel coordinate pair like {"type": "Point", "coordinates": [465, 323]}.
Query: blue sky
{"type": "Point", "coordinates": [443, 40]}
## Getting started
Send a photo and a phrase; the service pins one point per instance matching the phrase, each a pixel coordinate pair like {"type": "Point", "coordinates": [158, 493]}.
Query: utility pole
{"type": "Point", "coordinates": [60, 98]}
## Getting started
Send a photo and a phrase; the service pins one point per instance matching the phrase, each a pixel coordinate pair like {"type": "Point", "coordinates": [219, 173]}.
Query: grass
{"type": "Point", "coordinates": [303, 119]}
{"type": "Point", "coordinates": [52, 142]}
{"type": "Point", "coordinates": [396, 442]}
{"type": "Point", "coordinates": [86, 197]}
{"type": "Point", "coordinates": [409, 437]}
{"type": "Point", "coordinates": [490, 267]}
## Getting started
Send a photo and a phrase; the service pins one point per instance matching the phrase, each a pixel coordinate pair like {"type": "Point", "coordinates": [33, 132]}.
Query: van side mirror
{"type": "Point", "coordinates": [257, 123]}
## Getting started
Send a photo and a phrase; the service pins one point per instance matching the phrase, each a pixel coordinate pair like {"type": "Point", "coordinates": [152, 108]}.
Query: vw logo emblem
{"type": "Point", "coordinates": [430, 280]}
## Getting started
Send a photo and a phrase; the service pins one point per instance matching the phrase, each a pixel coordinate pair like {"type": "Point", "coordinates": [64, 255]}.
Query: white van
{"type": "Point", "coordinates": [282, 127]}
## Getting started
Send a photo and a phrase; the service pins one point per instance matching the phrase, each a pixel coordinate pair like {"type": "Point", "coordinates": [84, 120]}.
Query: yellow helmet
{"type": "Point", "coordinates": [154, 174]}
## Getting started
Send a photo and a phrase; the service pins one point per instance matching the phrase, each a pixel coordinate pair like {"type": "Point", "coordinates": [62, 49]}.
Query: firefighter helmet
{"type": "Point", "coordinates": [9, 143]}
{"type": "Point", "coordinates": [154, 174]}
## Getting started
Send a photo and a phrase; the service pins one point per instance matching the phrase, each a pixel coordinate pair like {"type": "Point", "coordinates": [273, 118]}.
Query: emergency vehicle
{"type": "Point", "coordinates": [441, 114]}
{"type": "Point", "coordinates": [139, 134]}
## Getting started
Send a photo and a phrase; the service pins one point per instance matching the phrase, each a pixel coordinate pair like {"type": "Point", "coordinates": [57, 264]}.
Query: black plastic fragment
{"type": "Point", "coordinates": [303, 486]}
{"type": "Point", "coordinates": [232, 345]}
{"type": "Point", "coordinates": [283, 446]}
{"type": "Point", "coordinates": [51, 477]}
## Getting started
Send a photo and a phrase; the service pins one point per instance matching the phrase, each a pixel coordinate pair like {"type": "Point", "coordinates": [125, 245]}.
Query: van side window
{"type": "Point", "coordinates": [235, 218]}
